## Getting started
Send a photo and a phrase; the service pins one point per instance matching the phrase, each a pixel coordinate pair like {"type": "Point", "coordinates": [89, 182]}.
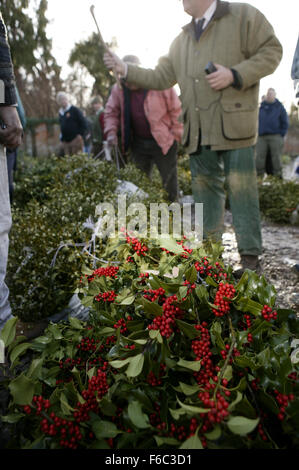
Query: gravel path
{"type": "Point", "coordinates": [280, 253]}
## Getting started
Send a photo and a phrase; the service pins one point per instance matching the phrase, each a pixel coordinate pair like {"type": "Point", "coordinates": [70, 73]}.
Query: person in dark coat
{"type": "Point", "coordinates": [273, 126]}
{"type": "Point", "coordinates": [73, 126]}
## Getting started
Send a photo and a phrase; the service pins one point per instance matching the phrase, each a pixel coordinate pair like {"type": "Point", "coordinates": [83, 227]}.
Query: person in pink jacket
{"type": "Point", "coordinates": [148, 121]}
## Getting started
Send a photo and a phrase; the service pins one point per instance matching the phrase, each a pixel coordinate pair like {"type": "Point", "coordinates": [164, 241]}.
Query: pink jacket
{"type": "Point", "coordinates": [162, 109]}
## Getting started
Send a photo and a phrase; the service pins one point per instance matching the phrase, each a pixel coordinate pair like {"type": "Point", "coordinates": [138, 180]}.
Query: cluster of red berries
{"type": "Point", "coordinates": [269, 314]}
{"type": "Point", "coordinates": [204, 268]}
{"type": "Point", "coordinates": [262, 432]}
{"type": "Point", "coordinates": [39, 403]}
{"type": "Point", "coordinates": [166, 321]}
{"type": "Point", "coordinates": [224, 290]}
{"type": "Point", "coordinates": [122, 325]}
{"type": "Point", "coordinates": [224, 353]}
{"type": "Point", "coordinates": [190, 287]}
{"type": "Point", "coordinates": [293, 376]}
{"type": "Point", "coordinates": [127, 346]}
{"type": "Point", "coordinates": [185, 248]}
{"type": "Point", "coordinates": [255, 384]}
{"type": "Point", "coordinates": [97, 388]}
{"type": "Point", "coordinates": [283, 401]}
{"type": "Point", "coordinates": [218, 408]}
{"type": "Point", "coordinates": [87, 344]}
{"type": "Point", "coordinates": [106, 296]}
{"type": "Point", "coordinates": [153, 380]}
{"type": "Point", "coordinates": [109, 271]}
{"type": "Point", "coordinates": [130, 259]}
{"type": "Point", "coordinates": [201, 349]}
{"type": "Point", "coordinates": [143, 277]}
{"type": "Point", "coordinates": [137, 246]}
{"type": "Point", "coordinates": [154, 294]}
{"type": "Point", "coordinates": [68, 432]}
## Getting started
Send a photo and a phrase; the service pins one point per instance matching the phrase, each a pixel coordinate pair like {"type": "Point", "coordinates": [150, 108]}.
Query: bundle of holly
{"type": "Point", "coordinates": [176, 355]}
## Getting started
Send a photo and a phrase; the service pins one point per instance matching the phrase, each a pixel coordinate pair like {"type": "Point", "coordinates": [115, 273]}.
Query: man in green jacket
{"type": "Point", "coordinates": [220, 109]}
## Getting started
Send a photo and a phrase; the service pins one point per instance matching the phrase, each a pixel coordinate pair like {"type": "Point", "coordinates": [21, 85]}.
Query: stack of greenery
{"type": "Point", "coordinates": [53, 198]}
{"type": "Point", "coordinates": [176, 354]}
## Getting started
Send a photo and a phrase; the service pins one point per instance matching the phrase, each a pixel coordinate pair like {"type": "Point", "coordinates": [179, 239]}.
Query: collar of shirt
{"type": "Point", "coordinates": [208, 14]}
{"type": "Point", "coordinates": [64, 110]}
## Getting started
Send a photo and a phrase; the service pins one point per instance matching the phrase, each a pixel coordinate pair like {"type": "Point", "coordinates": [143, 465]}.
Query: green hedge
{"type": "Point", "coordinates": [53, 198]}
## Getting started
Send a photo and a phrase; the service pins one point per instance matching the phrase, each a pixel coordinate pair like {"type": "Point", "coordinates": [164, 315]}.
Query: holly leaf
{"type": "Point", "coordinates": [242, 426]}
{"type": "Point", "coordinates": [136, 415]}
{"type": "Point", "coordinates": [22, 390]}
{"type": "Point", "coordinates": [135, 366]}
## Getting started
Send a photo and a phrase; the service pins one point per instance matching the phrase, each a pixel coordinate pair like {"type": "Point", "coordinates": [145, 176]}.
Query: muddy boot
{"type": "Point", "coordinates": [248, 262]}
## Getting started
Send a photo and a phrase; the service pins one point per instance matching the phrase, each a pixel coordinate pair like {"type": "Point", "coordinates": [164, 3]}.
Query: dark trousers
{"type": "Point", "coordinates": [146, 153]}
{"type": "Point", "coordinates": [11, 157]}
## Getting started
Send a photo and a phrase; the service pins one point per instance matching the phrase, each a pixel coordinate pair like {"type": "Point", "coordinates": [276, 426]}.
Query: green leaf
{"type": "Point", "coordinates": [247, 305]}
{"type": "Point", "coordinates": [35, 368]}
{"type": "Point", "coordinates": [191, 274]}
{"type": "Point", "coordinates": [120, 363]}
{"type": "Point", "coordinates": [22, 390]}
{"type": "Point", "coordinates": [193, 409]}
{"type": "Point", "coordinates": [8, 332]}
{"type": "Point", "coordinates": [12, 418]}
{"type": "Point", "coordinates": [171, 245]}
{"type": "Point", "coordinates": [216, 331]}
{"type": "Point", "coordinates": [75, 323]}
{"type": "Point", "coordinates": [183, 292]}
{"type": "Point", "coordinates": [104, 429]}
{"type": "Point", "coordinates": [236, 401]}
{"type": "Point", "coordinates": [55, 331]}
{"type": "Point", "coordinates": [151, 307]}
{"type": "Point", "coordinates": [202, 294]}
{"type": "Point", "coordinates": [242, 426]}
{"type": "Point", "coordinates": [189, 389]}
{"type": "Point", "coordinates": [188, 329]}
{"type": "Point", "coordinates": [192, 365]}
{"type": "Point", "coordinates": [192, 442]}
{"type": "Point", "coordinates": [228, 374]}
{"type": "Point", "coordinates": [17, 351]}
{"type": "Point", "coordinates": [215, 434]}
{"type": "Point", "coordinates": [65, 407]}
{"type": "Point", "coordinates": [135, 366]}
{"type": "Point", "coordinates": [136, 415]}
{"type": "Point", "coordinates": [166, 440]}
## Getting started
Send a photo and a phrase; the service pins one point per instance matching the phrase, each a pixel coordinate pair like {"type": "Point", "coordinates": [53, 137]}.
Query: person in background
{"type": "Point", "coordinates": [148, 120]}
{"type": "Point", "coordinates": [10, 137]}
{"type": "Point", "coordinates": [273, 126]}
{"type": "Point", "coordinates": [12, 154]}
{"type": "Point", "coordinates": [72, 126]}
{"type": "Point", "coordinates": [218, 60]}
{"type": "Point", "coordinates": [97, 125]}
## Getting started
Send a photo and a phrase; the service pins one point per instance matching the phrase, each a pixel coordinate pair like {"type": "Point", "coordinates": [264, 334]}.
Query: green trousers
{"type": "Point", "coordinates": [210, 170]}
{"type": "Point", "coordinates": [274, 145]}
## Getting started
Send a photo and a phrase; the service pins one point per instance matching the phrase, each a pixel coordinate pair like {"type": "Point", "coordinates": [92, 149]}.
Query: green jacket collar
{"type": "Point", "coordinates": [222, 9]}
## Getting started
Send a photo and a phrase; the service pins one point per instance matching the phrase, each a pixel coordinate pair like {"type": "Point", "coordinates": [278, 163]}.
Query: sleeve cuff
{"type": "Point", "coordinates": [237, 83]}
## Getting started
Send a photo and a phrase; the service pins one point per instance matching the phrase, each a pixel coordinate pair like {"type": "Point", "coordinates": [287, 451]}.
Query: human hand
{"type": "Point", "coordinates": [112, 140]}
{"type": "Point", "coordinates": [11, 136]}
{"type": "Point", "coordinates": [113, 62]}
{"type": "Point", "coordinates": [220, 79]}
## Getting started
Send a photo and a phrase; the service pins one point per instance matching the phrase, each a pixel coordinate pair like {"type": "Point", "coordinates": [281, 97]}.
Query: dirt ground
{"type": "Point", "coordinates": [280, 253]}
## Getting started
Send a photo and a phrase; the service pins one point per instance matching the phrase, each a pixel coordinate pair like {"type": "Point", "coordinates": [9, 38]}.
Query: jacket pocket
{"type": "Point", "coordinates": [239, 122]}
